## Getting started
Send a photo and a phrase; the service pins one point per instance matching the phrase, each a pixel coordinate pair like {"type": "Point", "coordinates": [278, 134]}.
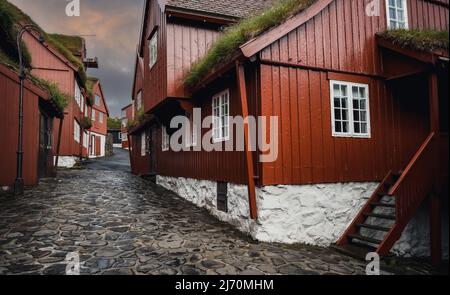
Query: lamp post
{"type": "Point", "coordinates": [19, 183]}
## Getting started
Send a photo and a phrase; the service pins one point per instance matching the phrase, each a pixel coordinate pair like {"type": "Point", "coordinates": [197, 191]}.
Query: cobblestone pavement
{"type": "Point", "coordinates": [121, 224]}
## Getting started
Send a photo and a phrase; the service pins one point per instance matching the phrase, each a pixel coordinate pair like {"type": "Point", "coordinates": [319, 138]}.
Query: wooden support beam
{"type": "Point", "coordinates": [434, 102]}
{"type": "Point", "coordinates": [58, 148]}
{"type": "Point", "coordinates": [435, 230]}
{"type": "Point", "coordinates": [240, 73]}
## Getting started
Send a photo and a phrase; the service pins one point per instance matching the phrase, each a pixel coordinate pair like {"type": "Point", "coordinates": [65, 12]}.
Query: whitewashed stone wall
{"type": "Point", "coordinates": [309, 214]}
{"type": "Point", "coordinates": [67, 162]}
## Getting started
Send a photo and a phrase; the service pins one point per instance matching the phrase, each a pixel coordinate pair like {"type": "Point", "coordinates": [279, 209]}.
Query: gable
{"type": "Point", "coordinates": [98, 91]}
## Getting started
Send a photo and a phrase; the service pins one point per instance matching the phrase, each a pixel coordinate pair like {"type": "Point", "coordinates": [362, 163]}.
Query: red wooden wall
{"type": "Point", "coordinates": [97, 126]}
{"type": "Point", "coordinates": [9, 112]}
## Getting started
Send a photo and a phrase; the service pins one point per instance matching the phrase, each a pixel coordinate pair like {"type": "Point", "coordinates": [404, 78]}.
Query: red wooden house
{"type": "Point", "coordinates": [98, 114]}
{"type": "Point", "coordinates": [363, 121]}
{"type": "Point", "coordinates": [39, 145]}
{"type": "Point", "coordinates": [127, 116]}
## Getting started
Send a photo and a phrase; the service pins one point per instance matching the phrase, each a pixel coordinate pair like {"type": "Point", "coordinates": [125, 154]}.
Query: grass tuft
{"type": "Point", "coordinates": [60, 99]}
{"type": "Point", "coordinates": [422, 40]}
{"type": "Point", "coordinates": [236, 35]}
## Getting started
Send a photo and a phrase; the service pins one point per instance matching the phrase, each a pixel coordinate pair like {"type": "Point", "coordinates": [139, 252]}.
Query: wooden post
{"type": "Point", "coordinates": [59, 144]}
{"type": "Point", "coordinates": [435, 202]}
{"type": "Point", "coordinates": [130, 151]}
{"type": "Point", "coordinates": [248, 154]}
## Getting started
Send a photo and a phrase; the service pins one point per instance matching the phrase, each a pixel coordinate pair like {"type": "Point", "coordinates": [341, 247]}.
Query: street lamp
{"type": "Point", "coordinates": [19, 184]}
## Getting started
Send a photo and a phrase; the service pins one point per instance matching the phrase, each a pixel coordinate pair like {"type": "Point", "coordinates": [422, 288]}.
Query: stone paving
{"type": "Point", "coordinates": [122, 224]}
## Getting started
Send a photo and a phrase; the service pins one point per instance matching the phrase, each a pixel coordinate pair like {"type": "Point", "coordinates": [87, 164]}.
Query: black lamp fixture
{"type": "Point", "coordinates": [19, 183]}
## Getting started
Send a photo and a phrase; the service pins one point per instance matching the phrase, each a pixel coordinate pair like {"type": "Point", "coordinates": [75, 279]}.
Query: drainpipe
{"type": "Point", "coordinates": [240, 73]}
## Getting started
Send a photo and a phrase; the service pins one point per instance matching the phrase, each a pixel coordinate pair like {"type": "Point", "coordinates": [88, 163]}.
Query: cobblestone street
{"type": "Point", "coordinates": [122, 224]}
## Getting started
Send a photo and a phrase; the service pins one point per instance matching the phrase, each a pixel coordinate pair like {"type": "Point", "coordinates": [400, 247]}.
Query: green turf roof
{"type": "Point", "coordinates": [422, 40]}
{"type": "Point", "coordinates": [238, 34]}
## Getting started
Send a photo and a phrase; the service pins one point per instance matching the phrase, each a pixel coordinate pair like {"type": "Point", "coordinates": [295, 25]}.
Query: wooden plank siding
{"type": "Point", "coordinates": [214, 166]}
{"type": "Point", "coordinates": [295, 74]}
{"type": "Point", "coordinates": [9, 112]}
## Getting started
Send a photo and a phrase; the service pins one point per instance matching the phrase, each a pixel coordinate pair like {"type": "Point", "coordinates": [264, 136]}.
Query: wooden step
{"type": "Point", "coordinates": [365, 239]}
{"type": "Point", "coordinates": [374, 227]}
{"type": "Point", "coordinates": [383, 205]}
{"type": "Point", "coordinates": [381, 216]}
{"type": "Point", "coordinates": [355, 250]}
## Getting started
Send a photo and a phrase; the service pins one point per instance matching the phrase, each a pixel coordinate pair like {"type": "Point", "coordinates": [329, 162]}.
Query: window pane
{"type": "Point", "coordinates": [344, 90]}
{"type": "Point", "coordinates": [337, 114]}
{"type": "Point", "coordinates": [337, 103]}
{"type": "Point", "coordinates": [362, 104]}
{"type": "Point", "coordinates": [355, 104]}
{"type": "Point", "coordinates": [337, 90]}
{"type": "Point", "coordinates": [356, 115]}
{"type": "Point", "coordinates": [338, 126]}
{"type": "Point", "coordinates": [364, 116]}
{"type": "Point", "coordinates": [364, 128]}
{"type": "Point", "coordinates": [345, 127]}
{"type": "Point", "coordinates": [344, 103]}
{"type": "Point", "coordinates": [355, 92]}
{"type": "Point", "coordinates": [344, 115]}
{"type": "Point", "coordinates": [357, 128]}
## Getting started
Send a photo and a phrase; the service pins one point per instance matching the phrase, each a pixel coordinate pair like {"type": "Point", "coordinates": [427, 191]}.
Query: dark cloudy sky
{"type": "Point", "coordinates": [116, 26]}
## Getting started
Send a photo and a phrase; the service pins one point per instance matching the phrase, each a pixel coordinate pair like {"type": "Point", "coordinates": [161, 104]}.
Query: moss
{"type": "Point", "coordinates": [73, 43]}
{"type": "Point", "coordinates": [60, 99]}
{"type": "Point", "coordinates": [10, 19]}
{"type": "Point", "coordinates": [425, 40]}
{"type": "Point", "coordinates": [236, 35]}
{"type": "Point", "coordinates": [90, 90]}
{"type": "Point", "coordinates": [86, 123]}
{"type": "Point", "coordinates": [114, 123]}
{"type": "Point", "coordinates": [139, 119]}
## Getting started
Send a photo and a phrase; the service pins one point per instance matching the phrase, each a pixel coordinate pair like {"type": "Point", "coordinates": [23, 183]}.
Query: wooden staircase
{"type": "Point", "coordinates": [382, 220]}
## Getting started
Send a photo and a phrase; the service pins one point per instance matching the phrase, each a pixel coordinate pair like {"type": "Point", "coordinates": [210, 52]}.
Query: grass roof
{"type": "Point", "coordinates": [90, 89]}
{"type": "Point", "coordinates": [73, 43]}
{"type": "Point", "coordinates": [238, 34]}
{"type": "Point", "coordinates": [10, 19]}
{"type": "Point", "coordinates": [422, 40]}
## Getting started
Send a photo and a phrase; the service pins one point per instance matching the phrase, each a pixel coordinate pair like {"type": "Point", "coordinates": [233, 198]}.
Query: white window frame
{"type": "Point", "coordinates": [165, 142]}
{"type": "Point", "coordinates": [78, 94]}
{"type": "Point", "coordinates": [139, 100]}
{"type": "Point", "coordinates": [76, 131]}
{"type": "Point", "coordinates": [86, 139]}
{"type": "Point", "coordinates": [153, 49]}
{"type": "Point", "coordinates": [93, 115]}
{"type": "Point", "coordinates": [124, 137]}
{"type": "Point", "coordinates": [396, 20]}
{"type": "Point", "coordinates": [143, 144]}
{"type": "Point", "coordinates": [100, 117]}
{"type": "Point", "coordinates": [220, 116]}
{"type": "Point", "coordinates": [351, 129]}
{"type": "Point", "coordinates": [97, 100]}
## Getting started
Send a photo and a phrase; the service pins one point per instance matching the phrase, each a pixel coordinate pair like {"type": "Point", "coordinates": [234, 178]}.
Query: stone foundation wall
{"type": "Point", "coordinates": [309, 214]}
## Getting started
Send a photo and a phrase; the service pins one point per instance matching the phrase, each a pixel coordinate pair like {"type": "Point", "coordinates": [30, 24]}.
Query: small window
{"type": "Point", "coordinates": [397, 14]}
{"type": "Point", "coordinates": [93, 115]}
{"type": "Point", "coordinates": [222, 196]}
{"type": "Point", "coordinates": [153, 49]}
{"type": "Point", "coordinates": [165, 145]}
{"type": "Point", "coordinates": [143, 144]}
{"type": "Point", "coordinates": [124, 137]}
{"type": "Point", "coordinates": [350, 113]}
{"type": "Point", "coordinates": [139, 101]}
{"type": "Point", "coordinates": [76, 131]}
{"type": "Point", "coordinates": [97, 100]}
{"type": "Point", "coordinates": [100, 117]}
{"type": "Point", "coordinates": [221, 114]}
{"type": "Point", "coordinates": [86, 140]}
{"type": "Point", "coordinates": [78, 94]}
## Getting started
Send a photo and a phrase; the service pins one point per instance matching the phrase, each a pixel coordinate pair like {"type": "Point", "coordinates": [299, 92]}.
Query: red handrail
{"type": "Point", "coordinates": [416, 182]}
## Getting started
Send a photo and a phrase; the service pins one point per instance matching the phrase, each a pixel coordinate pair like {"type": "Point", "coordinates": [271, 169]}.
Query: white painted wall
{"type": "Point", "coordinates": [309, 214]}
{"type": "Point", "coordinates": [102, 144]}
{"type": "Point", "coordinates": [66, 162]}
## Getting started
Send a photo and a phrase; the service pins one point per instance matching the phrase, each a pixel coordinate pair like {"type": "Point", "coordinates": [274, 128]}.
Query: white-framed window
{"type": "Point", "coordinates": [139, 101]}
{"type": "Point", "coordinates": [86, 139]}
{"type": "Point", "coordinates": [124, 123]}
{"type": "Point", "coordinates": [120, 135]}
{"type": "Point", "coordinates": [221, 114]}
{"type": "Point", "coordinates": [397, 14]}
{"type": "Point", "coordinates": [350, 111]}
{"type": "Point", "coordinates": [97, 100]}
{"type": "Point", "coordinates": [124, 137]}
{"type": "Point", "coordinates": [93, 115]}
{"type": "Point", "coordinates": [143, 144]}
{"type": "Point", "coordinates": [76, 131]}
{"type": "Point", "coordinates": [165, 143]}
{"type": "Point", "coordinates": [100, 117]}
{"type": "Point", "coordinates": [153, 49]}
{"type": "Point", "coordinates": [78, 95]}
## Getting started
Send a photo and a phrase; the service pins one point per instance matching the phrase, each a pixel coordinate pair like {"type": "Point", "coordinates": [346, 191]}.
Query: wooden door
{"type": "Point", "coordinates": [152, 150]}
{"type": "Point", "coordinates": [44, 144]}
{"type": "Point", "coordinates": [97, 146]}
